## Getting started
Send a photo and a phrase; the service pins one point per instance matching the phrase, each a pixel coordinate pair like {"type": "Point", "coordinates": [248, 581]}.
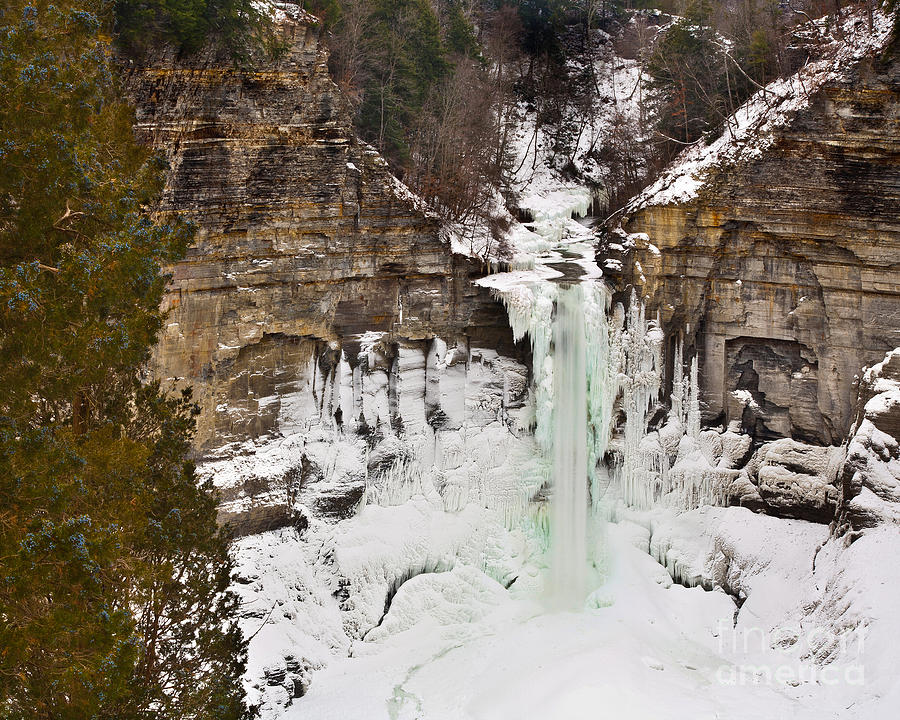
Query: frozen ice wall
{"type": "Point", "coordinates": [668, 465]}
{"type": "Point", "coordinates": [380, 421]}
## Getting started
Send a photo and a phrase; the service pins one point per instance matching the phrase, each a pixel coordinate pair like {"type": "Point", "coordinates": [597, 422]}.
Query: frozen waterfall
{"type": "Point", "coordinates": [595, 407]}
{"type": "Point", "coordinates": [569, 509]}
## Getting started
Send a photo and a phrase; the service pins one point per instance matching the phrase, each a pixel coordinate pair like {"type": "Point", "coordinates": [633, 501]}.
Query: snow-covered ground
{"type": "Point", "coordinates": [457, 644]}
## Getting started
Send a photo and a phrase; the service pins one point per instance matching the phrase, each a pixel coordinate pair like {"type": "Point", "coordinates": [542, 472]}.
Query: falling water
{"type": "Point", "coordinates": [568, 566]}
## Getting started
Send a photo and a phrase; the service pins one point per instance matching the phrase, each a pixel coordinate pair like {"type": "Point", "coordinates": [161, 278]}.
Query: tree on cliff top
{"type": "Point", "coordinates": [186, 24]}
{"type": "Point", "coordinates": [113, 574]}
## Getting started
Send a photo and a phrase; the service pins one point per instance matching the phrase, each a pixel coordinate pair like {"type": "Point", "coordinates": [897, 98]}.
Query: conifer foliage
{"type": "Point", "coordinates": [113, 574]}
{"type": "Point", "coordinates": [186, 24]}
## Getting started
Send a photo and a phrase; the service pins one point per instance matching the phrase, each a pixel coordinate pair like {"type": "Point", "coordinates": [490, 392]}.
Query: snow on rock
{"type": "Point", "coordinates": [766, 563]}
{"type": "Point", "coordinates": [682, 544]}
{"type": "Point", "coordinates": [289, 611]}
{"type": "Point", "coordinates": [852, 622]}
{"type": "Point", "coordinates": [463, 595]}
{"type": "Point", "coordinates": [377, 551]}
{"type": "Point", "coordinates": [854, 613]}
{"type": "Point", "coordinates": [396, 459]}
{"type": "Point", "coordinates": [790, 479]}
{"type": "Point", "coordinates": [307, 598]}
{"type": "Point", "coordinates": [750, 131]}
{"type": "Point", "coordinates": [818, 609]}
{"type": "Point", "coordinates": [870, 476]}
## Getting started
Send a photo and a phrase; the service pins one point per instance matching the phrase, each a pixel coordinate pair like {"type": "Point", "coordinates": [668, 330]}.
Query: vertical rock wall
{"type": "Point", "coordinates": [785, 266]}
{"type": "Point", "coordinates": [305, 240]}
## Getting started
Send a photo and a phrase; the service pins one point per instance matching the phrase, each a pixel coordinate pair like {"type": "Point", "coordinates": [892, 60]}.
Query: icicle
{"type": "Point", "coordinates": [530, 310]}
{"type": "Point", "coordinates": [603, 382]}
{"type": "Point", "coordinates": [645, 473]}
{"type": "Point", "coordinates": [641, 460]}
{"type": "Point", "coordinates": [693, 414]}
{"type": "Point", "coordinates": [678, 383]}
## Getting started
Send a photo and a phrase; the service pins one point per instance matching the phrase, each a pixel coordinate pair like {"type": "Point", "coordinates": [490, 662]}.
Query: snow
{"type": "Point", "coordinates": [292, 587]}
{"type": "Point", "coordinates": [431, 601]}
{"type": "Point", "coordinates": [872, 466]}
{"type": "Point", "coordinates": [745, 398]}
{"type": "Point", "coordinates": [554, 202]}
{"type": "Point", "coordinates": [468, 633]}
{"type": "Point", "coordinates": [429, 598]}
{"type": "Point", "coordinates": [281, 11]}
{"type": "Point", "coordinates": [876, 378]}
{"type": "Point", "coordinates": [457, 645]}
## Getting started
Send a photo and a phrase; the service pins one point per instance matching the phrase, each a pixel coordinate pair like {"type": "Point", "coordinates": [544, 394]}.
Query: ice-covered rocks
{"type": "Point", "coordinates": [790, 479]}
{"type": "Point", "coordinates": [462, 595]}
{"type": "Point", "coordinates": [870, 476]}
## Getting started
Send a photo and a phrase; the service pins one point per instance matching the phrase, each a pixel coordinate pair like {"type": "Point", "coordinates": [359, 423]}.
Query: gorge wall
{"type": "Point", "coordinates": [783, 268]}
{"type": "Point", "coordinates": [306, 247]}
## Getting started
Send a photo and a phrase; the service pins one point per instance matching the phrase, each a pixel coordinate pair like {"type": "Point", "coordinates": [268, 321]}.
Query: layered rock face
{"type": "Point", "coordinates": [305, 241]}
{"type": "Point", "coordinates": [784, 268]}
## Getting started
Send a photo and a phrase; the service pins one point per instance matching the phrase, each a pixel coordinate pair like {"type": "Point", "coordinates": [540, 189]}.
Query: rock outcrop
{"type": "Point", "coordinates": [870, 476]}
{"type": "Point", "coordinates": [783, 266]}
{"type": "Point", "coordinates": [790, 479]}
{"type": "Point", "coordinates": [305, 240]}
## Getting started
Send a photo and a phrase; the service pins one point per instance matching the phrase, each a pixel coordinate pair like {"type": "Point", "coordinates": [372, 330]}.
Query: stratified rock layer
{"type": "Point", "coordinates": [305, 240]}
{"type": "Point", "coordinates": [784, 269]}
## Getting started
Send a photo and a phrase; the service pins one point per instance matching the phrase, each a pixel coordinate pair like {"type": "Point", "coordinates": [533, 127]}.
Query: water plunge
{"type": "Point", "coordinates": [569, 509]}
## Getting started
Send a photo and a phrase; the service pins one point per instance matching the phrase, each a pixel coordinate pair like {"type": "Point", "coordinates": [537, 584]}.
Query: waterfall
{"type": "Point", "coordinates": [577, 376]}
{"type": "Point", "coordinates": [594, 367]}
{"type": "Point", "coordinates": [569, 508]}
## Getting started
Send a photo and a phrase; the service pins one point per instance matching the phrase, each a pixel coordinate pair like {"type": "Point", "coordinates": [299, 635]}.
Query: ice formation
{"type": "Point", "coordinates": [593, 364]}
{"type": "Point", "coordinates": [671, 465]}
{"type": "Point", "coordinates": [568, 563]}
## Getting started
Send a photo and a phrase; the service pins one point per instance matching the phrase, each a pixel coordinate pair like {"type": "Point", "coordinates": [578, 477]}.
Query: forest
{"type": "Point", "coordinates": [437, 86]}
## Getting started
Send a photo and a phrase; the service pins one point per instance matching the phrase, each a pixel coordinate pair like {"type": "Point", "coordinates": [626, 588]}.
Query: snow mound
{"type": "Point", "coordinates": [464, 595]}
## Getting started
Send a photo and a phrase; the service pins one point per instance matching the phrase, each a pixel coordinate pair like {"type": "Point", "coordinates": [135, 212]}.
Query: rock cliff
{"type": "Point", "coordinates": [777, 249]}
{"type": "Point", "coordinates": [305, 243]}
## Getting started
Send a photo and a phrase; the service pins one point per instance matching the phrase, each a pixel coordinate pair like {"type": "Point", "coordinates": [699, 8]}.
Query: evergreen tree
{"type": "Point", "coordinates": [543, 22]}
{"type": "Point", "coordinates": [408, 60]}
{"type": "Point", "coordinates": [459, 33]}
{"type": "Point", "coordinates": [186, 24]}
{"type": "Point", "coordinates": [113, 575]}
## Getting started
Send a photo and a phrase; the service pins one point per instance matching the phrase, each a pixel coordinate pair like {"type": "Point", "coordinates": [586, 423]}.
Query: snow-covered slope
{"type": "Point", "coordinates": [751, 130]}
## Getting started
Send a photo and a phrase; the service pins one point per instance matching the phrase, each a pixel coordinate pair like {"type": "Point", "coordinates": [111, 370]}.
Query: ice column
{"type": "Point", "coordinates": [530, 311]}
{"type": "Point", "coordinates": [568, 544]}
{"type": "Point", "coordinates": [641, 341]}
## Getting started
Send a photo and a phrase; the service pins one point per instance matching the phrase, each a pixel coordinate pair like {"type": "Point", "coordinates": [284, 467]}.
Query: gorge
{"type": "Point", "coordinates": [680, 422]}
